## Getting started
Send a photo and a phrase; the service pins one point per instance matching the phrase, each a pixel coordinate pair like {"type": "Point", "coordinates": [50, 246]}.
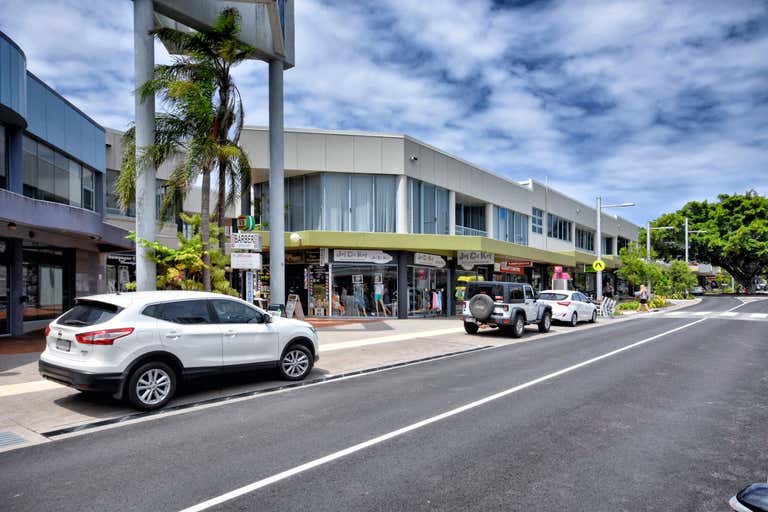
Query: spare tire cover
{"type": "Point", "coordinates": [481, 306]}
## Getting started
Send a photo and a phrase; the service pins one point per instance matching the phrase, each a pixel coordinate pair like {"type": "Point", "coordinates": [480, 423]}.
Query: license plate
{"type": "Point", "coordinates": [63, 345]}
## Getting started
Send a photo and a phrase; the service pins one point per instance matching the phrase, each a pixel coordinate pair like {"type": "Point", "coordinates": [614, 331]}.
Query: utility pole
{"type": "Point", "coordinates": [686, 240]}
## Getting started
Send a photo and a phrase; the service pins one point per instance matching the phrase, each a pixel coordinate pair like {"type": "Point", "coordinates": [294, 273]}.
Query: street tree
{"type": "Point", "coordinates": [680, 279]}
{"type": "Point", "coordinates": [635, 269]}
{"type": "Point", "coordinates": [735, 237]}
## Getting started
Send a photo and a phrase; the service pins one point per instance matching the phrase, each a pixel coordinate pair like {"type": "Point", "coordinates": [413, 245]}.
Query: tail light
{"type": "Point", "coordinates": [505, 307]}
{"type": "Point", "coordinates": [564, 303]}
{"type": "Point", "coordinates": [499, 297]}
{"type": "Point", "coordinates": [103, 337]}
{"type": "Point", "coordinates": [47, 330]}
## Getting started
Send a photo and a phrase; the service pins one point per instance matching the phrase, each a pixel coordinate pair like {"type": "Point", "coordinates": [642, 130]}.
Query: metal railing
{"type": "Point", "coordinates": [465, 231]}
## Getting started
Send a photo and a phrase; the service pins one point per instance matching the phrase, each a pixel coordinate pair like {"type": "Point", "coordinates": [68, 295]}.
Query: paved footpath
{"type": "Point", "coordinates": [31, 406]}
{"type": "Point", "coordinates": [635, 415]}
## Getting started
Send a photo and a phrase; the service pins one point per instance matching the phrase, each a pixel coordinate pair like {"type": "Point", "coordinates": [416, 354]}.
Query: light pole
{"type": "Point", "coordinates": [648, 229]}
{"type": "Point", "coordinates": [687, 232]}
{"type": "Point", "coordinates": [600, 207]}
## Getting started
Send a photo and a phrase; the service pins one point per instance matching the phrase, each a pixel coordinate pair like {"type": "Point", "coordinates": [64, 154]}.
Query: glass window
{"type": "Point", "coordinates": [3, 159]}
{"type": "Point", "coordinates": [364, 290]}
{"type": "Point", "coordinates": [61, 178]}
{"type": "Point", "coordinates": [552, 296]}
{"type": "Point", "coordinates": [313, 201]}
{"type": "Point", "coordinates": [30, 167]}
{"type": "Point", "coordinates": [261, 202]}
{"type": "Point", "coordinates": [186, 312]}
{"type": "Point", "coordinates": [516, 294]}
{"type": "Point", "coordinates": [88, 188]}
{"type": "Point", "coordinates": [75, 179]}
{"type": "Point", "coordinates": [585, 239]}
{"type": "Point", "coordinates": [294, 197]}
{"type": "Point", "coordinates": [558, 228]}
{"type": "Point", "coordinates": [336, 202]}
{"type": "Point", "coordinates": [361, 194]}
{"type": "Point", "coordinates": [89, 312]}
{"type": "Point", "coordinates": [428, 209]}
{"type": "Point", "coordinates": [608, 245]}
{"type": "Point", "coordinates": [231, 312]}
{"type": "Point", "coordinates": [386, 203]}
{"type": "Point", "coordinates": [537, 220]}
{"type": "Point", "coordinates": [441, 215]}
{"type": "Point", "coordinates": [45, 175]}
{"type": "Point", "coordinates": [414, 200]}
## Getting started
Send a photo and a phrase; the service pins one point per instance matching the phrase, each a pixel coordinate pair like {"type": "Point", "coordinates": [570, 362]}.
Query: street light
{"type": "Point", "coordinates": [686, 237]}
{"type": "Point", "coordinates": [648, 230]}
{"type": "Point", "coordinates": [600, 208]}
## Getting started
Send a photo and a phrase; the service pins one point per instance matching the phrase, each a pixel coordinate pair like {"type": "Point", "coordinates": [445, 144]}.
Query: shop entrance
{"type": "Point", "coordinates": [5, 293]}
{"type": "Point", "coordinates": [427, 291]}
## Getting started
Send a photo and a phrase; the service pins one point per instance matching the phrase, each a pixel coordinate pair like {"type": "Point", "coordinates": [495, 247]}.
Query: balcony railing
{"type": "Point", "coordinates": [465, 231]}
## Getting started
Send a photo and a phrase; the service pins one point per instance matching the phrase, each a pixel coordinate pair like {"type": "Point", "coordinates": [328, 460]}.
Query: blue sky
{"type": "Point", "coordinates": [657, 102]}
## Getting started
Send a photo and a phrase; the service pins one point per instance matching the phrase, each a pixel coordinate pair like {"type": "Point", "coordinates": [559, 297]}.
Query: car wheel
{"type": "Point", "coordinates": [471, 327]}
{"type": "Point", "coordinates": [574, 320]}
{"type": "Point", "coordinates": [151, 386]}
{"type": "Point", "coordinates": [518, 328]}
{"type": "Point", "coordinates": [594, 316]}
{"type": "Point", "coordinates": [546, 322]}
{"type": "Point", "coordinates": [296, 363]}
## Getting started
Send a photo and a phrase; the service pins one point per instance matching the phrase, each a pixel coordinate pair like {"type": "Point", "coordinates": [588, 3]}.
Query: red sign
{"type": "Point", "coordinates": [515, 263]}
{"type": "Point", "coordinates": [511, 269]}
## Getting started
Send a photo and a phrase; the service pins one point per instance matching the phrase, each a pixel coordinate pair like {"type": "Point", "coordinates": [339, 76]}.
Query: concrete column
{"type": "Point", "coordinates": [402, 204]}
{"type": "Point", "coordinates": [144, 63]}
{"type": "Point", "coordinates": [16, 286]}
{"type": "Point", "coordinates": [489, 220]}
{"type": "Point", "coordinates": [451, 212]}
{"type": "Point", "coordinates": [276, 185]}
{"type": "Point", "coordinates": [402, 285]}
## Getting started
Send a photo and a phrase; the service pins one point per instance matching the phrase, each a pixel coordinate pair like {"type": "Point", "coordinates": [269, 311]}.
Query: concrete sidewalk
{"type": "Point", "coordinates": [30, 406]}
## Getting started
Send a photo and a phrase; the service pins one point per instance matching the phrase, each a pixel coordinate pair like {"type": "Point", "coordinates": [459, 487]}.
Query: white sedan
{"type": "Point", "coordinates": [569, 306]}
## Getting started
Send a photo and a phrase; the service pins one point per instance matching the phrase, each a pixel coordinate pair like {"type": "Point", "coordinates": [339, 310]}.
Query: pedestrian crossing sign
{"type": "Point", "coordinates": [598, 265]}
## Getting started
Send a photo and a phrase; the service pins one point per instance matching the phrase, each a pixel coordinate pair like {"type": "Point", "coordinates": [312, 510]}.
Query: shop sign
{"type": "Point", "coordinates": [432, 260]}
{"type": "Point", "coordinates": [511, 269]}
{"type": "Point", "coordinates": [246, 223]}
{"type": "Point", "coordinates": [246, 241]}
{"type": "Point", "coordinates": [312, 257]}
{"type": "Point", "coordinates": [361, 255]}
{"type": "Point", "coordinates": [245, 260]}
{"type": "Point", "coordinates": [519, 263]}
{"type": "Point", "coordinates": [249, 286]}
{"type": "Point", "coordinates": [122, 259]}
{"type": "Point", "coordinates": [294, 257]}
{"type": "Point", "coordinates": [468, 259]}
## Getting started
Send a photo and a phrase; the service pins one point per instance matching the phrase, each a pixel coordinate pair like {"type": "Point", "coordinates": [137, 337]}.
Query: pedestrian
{"type": "Point", "coordinates": [608, 290]}
{"type": "Point", "coordinates": [643, 298]}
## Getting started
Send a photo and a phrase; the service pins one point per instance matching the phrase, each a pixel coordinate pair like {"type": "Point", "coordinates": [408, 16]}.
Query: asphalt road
{"type": "Point", "coordinates": [675, 423]}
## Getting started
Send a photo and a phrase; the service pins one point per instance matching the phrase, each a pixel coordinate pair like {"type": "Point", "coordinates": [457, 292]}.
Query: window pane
{"type": "Point", "coordinates": [313, 186]}
{"type": "Point", "coordinates": [295, 199]}
{"type": "Point", "coordinates": [87, 188]}
{"type": "Point", "coordinates": [186, 312]}
{"type": "Point", "coordinates": [362, 202]}
{"type": "Point", "coordinates": [386, 203]}
{"type": "Point", "coordinates": [3, 158]}
{"type": "Point", "coordinates": [45, 177]}
{"type": "Point", "coordinates": [75, 180]}
{"type": "Point", "coordinates": [429, 221]}
{"type": "Point", "coordinates": [442, 227]}
{"type": "Point", "coordinates": [336, 202]}
{"type": "Point", "coordinates": [231, 312]}
{"type": "Point", "coordinates": [414, 190]}
{"type": "Point", "coordinates": [30, 167]}
{"type": "Point", "coordinates": [61, 178]}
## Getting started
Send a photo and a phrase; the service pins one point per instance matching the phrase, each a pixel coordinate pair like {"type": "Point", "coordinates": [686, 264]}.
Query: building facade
{"type": "Point", "coordinates": [53, 241]}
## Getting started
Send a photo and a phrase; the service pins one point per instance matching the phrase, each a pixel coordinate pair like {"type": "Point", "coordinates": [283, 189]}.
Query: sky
{"type": "Point", "coordinates": [652, 101]}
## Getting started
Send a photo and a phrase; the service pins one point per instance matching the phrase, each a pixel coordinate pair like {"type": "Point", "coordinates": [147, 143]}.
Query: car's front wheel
{"type": "Point", "coordinates": [594, 317]}
{"type": "Point", "coordinates": [296, 363]}
{"type": "Point", "coordinates": [471, 327]}
{"type": "Point", "coordinates": [151, 386]}
{"type": "Point", "coordinates": [574, 320]}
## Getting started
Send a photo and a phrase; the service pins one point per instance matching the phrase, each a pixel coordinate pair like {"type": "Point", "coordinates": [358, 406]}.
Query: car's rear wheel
{"type": "Point", "coordinates": [594, 317]}
{"type": "Point", "coordinates": [518, 328]}
{"type": "Point", "coordinates": [296, 362]}
{"type": "Point", "coordinates": [471, 327]}
{"type": "Point", "coordinates": [152, 385]}
{"type": "Point", "coordinates": [546, 322]}
{"type": "Point", "coordinates": [574, 320]}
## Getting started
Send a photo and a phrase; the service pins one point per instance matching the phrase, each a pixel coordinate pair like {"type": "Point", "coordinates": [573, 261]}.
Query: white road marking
{"type": "Point", "coordinates": [676, 313]}
{"type": "Point", "coordinates": [758, 315]}
{"type": "Point", "coordinates": [728, 313]}
{"type": "Point", "coordinates": [218, 500]}
{"type": "Point", "coordinates": [330, 347]}
{"type": "Point", "coordinates": [28, 387]}
{"type": "Point", "coordinates": [701, 313]}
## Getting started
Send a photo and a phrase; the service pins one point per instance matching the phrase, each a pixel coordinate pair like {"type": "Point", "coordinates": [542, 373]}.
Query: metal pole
{"type": "Point", "coordinates": [686, 240]}
{"type": "Point", "coordinates": [276, 186]}
{"type": "Point", "coordinates": [648, 250]}
{"type": "Point", "coordinates": [144, 63]}
{"type": "Point", "coordinates": [599, 276]}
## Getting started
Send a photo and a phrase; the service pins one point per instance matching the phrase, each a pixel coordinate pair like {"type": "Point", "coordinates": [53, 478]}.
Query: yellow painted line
{"type": "Point", "coordinates": [28, 387]}
{"type": "Point", "coordinates": [387, 339]}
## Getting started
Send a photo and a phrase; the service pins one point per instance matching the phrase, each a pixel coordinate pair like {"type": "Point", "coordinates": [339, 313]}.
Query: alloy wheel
{"type": "Point", "coordinates": [153, 386]}
{"type": "Point", "coordinates": [295, 363]}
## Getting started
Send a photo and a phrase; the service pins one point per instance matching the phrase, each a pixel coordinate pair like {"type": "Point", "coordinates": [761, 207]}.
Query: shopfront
{"type": "Point", "coordinates": [428, 279]}
{"type": "Point", "coordinates": [470, 266]}
{"type": "Point", "coordinates": [364, 283]}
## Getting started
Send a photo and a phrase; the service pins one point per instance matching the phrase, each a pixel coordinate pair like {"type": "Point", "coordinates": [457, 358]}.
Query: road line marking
{"type": "Point", "coordinates": [701, 313]}
{"type": "Point", "coordinates": [387, 339]}
{"type": "Point", "coordinates": [728, 313]}
{"type": "Point", "coordinates": [676, 313]}
{"type": "Point", "coordinates": [28, 387]}
{"type": "Point", "coordinates": [247, 489]}
{"type": "Point", "coordinates": [758, 315]}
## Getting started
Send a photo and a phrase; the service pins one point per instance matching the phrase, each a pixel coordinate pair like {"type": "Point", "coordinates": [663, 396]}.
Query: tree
{"type": "Point", "coordinates": [680, 279]}
{"type": "Point", "coordinates": [196, 126]}
{"type": "Point", "coordinates": [635, 269]}
{"type": "Point", "coordinates": [736, 236]}
{"type": "Point", "coordinates": [182, 268]}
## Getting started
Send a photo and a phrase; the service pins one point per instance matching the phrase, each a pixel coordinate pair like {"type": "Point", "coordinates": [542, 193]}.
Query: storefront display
{"type": "Point", "coordinates": [427, 291]}
{"type": "Point", "coordinates": [364, 289]}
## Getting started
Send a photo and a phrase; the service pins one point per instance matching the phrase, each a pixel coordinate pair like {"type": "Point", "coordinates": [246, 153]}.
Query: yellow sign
{"type": "Point", "coordinates": [598, 265]}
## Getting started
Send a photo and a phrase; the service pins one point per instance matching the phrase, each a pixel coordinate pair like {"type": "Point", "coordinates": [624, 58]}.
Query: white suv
{"type": "Point", "coordinates": [141, 344]}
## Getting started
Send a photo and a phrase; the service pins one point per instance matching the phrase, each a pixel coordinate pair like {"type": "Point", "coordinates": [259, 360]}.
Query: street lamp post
{"type": "Point", "coordinates": [600, 207]}
{"type": "Point", "coordinates": [688, 232]}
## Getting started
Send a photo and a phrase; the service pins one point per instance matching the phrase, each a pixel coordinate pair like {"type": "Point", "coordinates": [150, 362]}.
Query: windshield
{"type": "Point", "coordinates": [89, 312]}
{"type": "Point", "coordinates": [552, 296]}
{"type": "Point", "coordinates": [492, 290]}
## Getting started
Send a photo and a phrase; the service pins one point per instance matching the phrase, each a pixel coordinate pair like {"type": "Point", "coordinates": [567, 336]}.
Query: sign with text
{"type": "Point", "coordinates": [361, 255]}
{"type": "Point", "coordinates": [519, 263]}
{"type": "Point", "coordinates": [249, 286]}
{"type": "Point", "coordinates": [511, 269]}
{"type": "Point", "coordinates": [246, 241]}
{"type": "Point", "coordinates": [245, 260]}
{"type": "Point", "coordinates": [246, 223]}
{"type": "Point", "coordinates": [468, 259]}
{"type": "Point", "coordinates": [432, 260]}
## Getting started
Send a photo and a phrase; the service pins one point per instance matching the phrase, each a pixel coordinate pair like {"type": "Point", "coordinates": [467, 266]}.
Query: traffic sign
{"type": "Point", "coordinates": [598, 265]}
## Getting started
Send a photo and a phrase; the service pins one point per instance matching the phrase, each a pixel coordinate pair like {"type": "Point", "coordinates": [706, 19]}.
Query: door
{"type": "Point", "coordinates": [582, 306]}
{"type": "Point", "coordinates": [247, 338]}
{"type": "Point", "coordinates": [531, 308]}
{"type": "Point", "coordinates": [187, 328]}
{"type": "Point", "coordinates": [4, 296]}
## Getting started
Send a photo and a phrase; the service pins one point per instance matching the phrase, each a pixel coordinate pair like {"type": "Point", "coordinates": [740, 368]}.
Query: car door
{"type": "Point", "coordinates": [187, 329]}
{"type": "Point", "coordinates": [582, 302]}
{"type": "Point", "coordinates": [531, 308]}
{"type": "Point", "coordinates": [246, 337]}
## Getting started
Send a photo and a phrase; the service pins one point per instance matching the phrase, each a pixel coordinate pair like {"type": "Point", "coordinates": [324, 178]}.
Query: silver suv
{"type": "Point", "coordinates": [508, 306]}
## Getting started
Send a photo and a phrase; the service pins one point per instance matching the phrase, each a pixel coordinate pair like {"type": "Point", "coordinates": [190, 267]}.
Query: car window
{"type": "Point", "coordinates": [186, 312]}
{"type": "Point", "coordinates": [516, 294]}
{"type": "Point", "coordinates": [89, 312]}
{"type": "Point", "coordinates": [578, 297]}
{"type": "Point", "coordinates": [552, 296]}
{"type": "Point", "coordinates": [231, 312]}
{"type": "Point", "coordinates": [492, 290]}
{"type": "Point", "coordinates": [528, 292]}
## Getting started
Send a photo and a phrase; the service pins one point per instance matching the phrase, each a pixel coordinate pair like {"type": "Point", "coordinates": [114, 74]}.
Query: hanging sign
{"type": "Point", "coordinates": [519, 263]}
{"type": "Point", "coordinates": [361, 255]}
{"type": "Point", "coordinates": [246, 241]}
{"type": "Point", "coordinates": [246, 223]}
{"type": "Point", "coordinates": [432, 260]}
{"type": "Point", "coordinates": [245, 260]}
{"type": "Point", "coordinates": [249, 287]}
{"type": "Point", "coordinates": [468, 259]}
{"type": "Point", "coordinates": [507, 268]}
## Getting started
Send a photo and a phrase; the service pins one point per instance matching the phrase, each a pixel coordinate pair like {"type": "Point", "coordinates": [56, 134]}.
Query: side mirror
{"type": "Point", "coordinates": [267, 318]}
{"type": "Point", "coordinates": [753, 497]}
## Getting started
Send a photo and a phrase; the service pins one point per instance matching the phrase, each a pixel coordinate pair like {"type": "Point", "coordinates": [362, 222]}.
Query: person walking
{"type": "Point", "coordinates": [643, 298]}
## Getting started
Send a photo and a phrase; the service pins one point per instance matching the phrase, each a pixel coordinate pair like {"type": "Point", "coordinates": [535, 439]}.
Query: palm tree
{"type": "Point", "coordinates": [202, 124]}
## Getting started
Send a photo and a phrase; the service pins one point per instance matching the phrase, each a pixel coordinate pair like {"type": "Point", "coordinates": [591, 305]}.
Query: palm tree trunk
{"type": "Point", "coordinates": [205, 227]}
{"type": "Point", "coordinates": [221, 212]}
